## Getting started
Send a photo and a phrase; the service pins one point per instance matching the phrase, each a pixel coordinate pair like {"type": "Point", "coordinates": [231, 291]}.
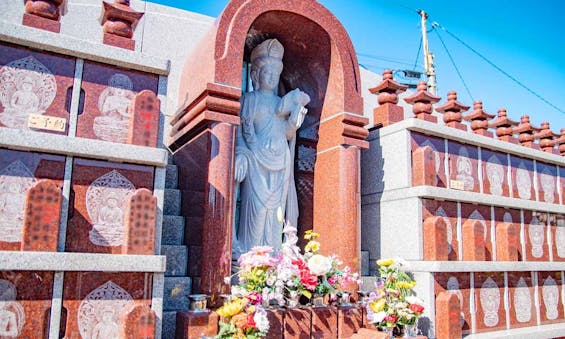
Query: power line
{"type": "Point", "coordinates": [453, 63]}
{"type": "Point", "coordinates": [502, 71]}
{"type": "Point", "coordinates": [417, 54]}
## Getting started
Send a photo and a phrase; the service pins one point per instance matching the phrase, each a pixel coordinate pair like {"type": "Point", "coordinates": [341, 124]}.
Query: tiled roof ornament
{"type": "Point", "coordinates": [452, 111]}
{"type": "Point", "coordinates": [526, 131]}
{"type": "Point", "coordinates": [422, 102]}
{"type": "Point", "coordinates": [546, 137]}
{"type": "Point", "coordinates": [119, 21]}
{"type": "Point", "coordinates": [388, 112]}
{"type": "Point", "coordinates": [43, 14]}
{"type": "Point", "coordinates": [504, 126]}
{"type": "Point", "coordinates": [479, 120]}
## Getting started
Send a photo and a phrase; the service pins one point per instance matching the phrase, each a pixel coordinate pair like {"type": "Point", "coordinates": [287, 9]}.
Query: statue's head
{"type": "Point", "coordinates": [266, 57]}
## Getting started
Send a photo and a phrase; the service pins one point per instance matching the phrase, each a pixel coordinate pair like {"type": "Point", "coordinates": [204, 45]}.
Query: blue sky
{"type": "Point", "coordinates": [524, 38]}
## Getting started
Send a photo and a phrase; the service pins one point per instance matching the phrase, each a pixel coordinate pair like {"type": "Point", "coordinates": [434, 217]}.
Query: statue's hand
{"type": "Point", "coordinates": [240, 168]}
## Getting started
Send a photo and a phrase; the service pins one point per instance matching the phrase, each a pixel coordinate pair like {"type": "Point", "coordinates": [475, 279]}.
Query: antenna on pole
{"type": "Point", "coordinates": [428, 57]}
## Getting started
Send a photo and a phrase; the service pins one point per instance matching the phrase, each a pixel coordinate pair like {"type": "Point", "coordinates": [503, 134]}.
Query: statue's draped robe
{"type": "Point", "coordinates": [269, 182]}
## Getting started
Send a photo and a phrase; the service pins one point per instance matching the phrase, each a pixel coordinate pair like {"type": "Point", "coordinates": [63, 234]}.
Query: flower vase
{"type": "Point", "coordinates": [345, 299]}
{"type": "Point", "coordinates": [410, 331]}
{"type": "Point", "coordinates": [293, 300]}
{"type": "Point", "coordinates": [318, 300]}
{"type": "Point", "coordinates": [388, 330]}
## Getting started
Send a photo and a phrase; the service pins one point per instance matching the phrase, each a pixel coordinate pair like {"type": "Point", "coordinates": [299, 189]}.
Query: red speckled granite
{"type": "Point", "coordinates": [521, 299]}
{"type": "Point", "coordinates": [42, 216]}
{"type": "Point", "coordinates": [94, 185]}
{"type": "Point", "coordinates": [19, 172]}
{"type": "Point", "coordinates": [550, 291]}
{"type": "Point", "coordinates": [460, 285]}
{"type": "Point", "coordinates": [548, 183]}
{"type": "Point", "coordinates": [139, 223]}
{"type": "Point", "coordinates": [495, 169]}
{"type": "Point", "coordinates": [27, 295]}
{"type": "Point", "coordinates": [535, 233]}
{"type": "Point", "coordinates": [483, 215]}
{"type": "Point", "coordinates": [320, 59]}
{"type": "Point", "coordinates": [447, 210]}
{"type": "Point", "coordinates": [51, 78]}
{"type": "Point", "coordinates": [438, 146]}
{"type": "Point", "coordinates": [522, 172]}
{"type": "Point", "coordinates": [43, 14]}
{"type": "Point", "coordinates": [489, 300]}
{"type": "Point", "coordinates": [87, 296]}
{"type": "Point", "coordinates": [464, 165]}
{"type": "Point", "coordinates": [109, 92]}
{"type": "Point", "coordinates": [137, 322]}
{"type": "Point", "coordinates": [448, 315]}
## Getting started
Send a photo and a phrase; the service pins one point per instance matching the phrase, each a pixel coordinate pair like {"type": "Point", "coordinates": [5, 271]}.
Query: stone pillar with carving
{"type": "Point", "coordinates": [561, 142]}
{"type": "Point", "coordinates": [43, 14]}
{"type": "Point", "coordinates": [546, 137]}
{"type": "Point", "coordinates": [479, 120]}
{"type": "Point", "coordinates": [119, 21]}
{"type": "Point", "coordinates": [452, 111]}
{"type": "Point", "coordinates": [422, 102]}
{"type": "Point", "coordinates": [388, 112]}
{"type": "Point", "coordinates": [504, 127]}
{"type": "Point", "coordinates": [526, 132]}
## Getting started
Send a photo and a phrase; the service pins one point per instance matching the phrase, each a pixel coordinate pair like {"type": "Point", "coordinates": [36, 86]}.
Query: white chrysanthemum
{"type": "Point", "coordinates": [414, 300]}
{"type": "Point", "coordinates": [261, 320]}
{"type": "Point", "coordinates": [319, 264]}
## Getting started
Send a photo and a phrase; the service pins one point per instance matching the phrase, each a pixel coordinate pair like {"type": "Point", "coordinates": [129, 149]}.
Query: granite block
{"type": "Point", "coordinates": [557, 225]}
{"type": "Point", "coordinates": [196, 324]}
{"type": "Point", "coordinates": [482, 216]}
{"type": "Point", "coordinates": [548, 183]}
{"type": "Point", "coordinates": [495, 173]}
{"type": "Point", "coordinates": [464, 166]}
{"type": "Point", "coordinates": [109, 92]}
{"type": "Point", "coordinates": [448, 211]}
{"type": "Point", "coordinates": [448, 318]}
{"type": "Point", "coordinates": [324, 322]}
{"type": "Point", "coordinates": [364, 263]}
{"type": "Point", "coordinates": [460, 285]}
{"type": "Point", "coordinates": [535, 234]}
{"type": "Point", "coordinates": [171, 176]}
{"type": "Point", "coordinates": [40, 86]}
{"type": "Point", "coordinates": [176, 293]}
{"type": "Point", "coordinates": [522, 172]}
{"type": "Point", "coordinates": [87, 295]}
{"type": "Point", "coordinates": [437, 145]}
{"type": "Point", "coordinates": [138, 322]}
{"type": "Point", "coordinates": [172, 204]}
{"type": "Point", "coordinates": [173, 230]}
{"type": "Point", "coordinates": [177, 259]}
{"type": "Point", "coordinates": [550, 291]}
{"type": "Point", "coordinates": [521, 302]}
{"type": "Point", "coordinates": [97, 216]}
{"type": "Point", "coordinates": [489, 298]}
{"type": "Point", "coordinates": [169, 324]}
{"type": "Point", "coordinates": [19, 172]}
{"type": "Point", "coordinates": [140, 222]}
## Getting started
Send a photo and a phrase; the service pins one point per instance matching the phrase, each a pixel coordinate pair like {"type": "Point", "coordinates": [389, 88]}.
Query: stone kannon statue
{"type": "Point", "coordinates": [265, 152]}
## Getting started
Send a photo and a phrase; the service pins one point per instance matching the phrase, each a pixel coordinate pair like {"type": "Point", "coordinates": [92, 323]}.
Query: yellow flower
{"type": "Point", "coordinates": [309, 235]}
{"type": "Point", "coordinates": [404, 284]}
{"type": "Point", "coordinates": [377, 306]}
{"type": "Point", "coordinates": [232, 308]}
{"type": "Point", "coordinates": [312, 246]}
{"type": "Point", "coordinates": [385, 262]}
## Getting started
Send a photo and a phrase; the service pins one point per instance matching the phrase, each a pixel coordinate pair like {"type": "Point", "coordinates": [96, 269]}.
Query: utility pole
{"type": "Point", "coordinates": [428, 57]}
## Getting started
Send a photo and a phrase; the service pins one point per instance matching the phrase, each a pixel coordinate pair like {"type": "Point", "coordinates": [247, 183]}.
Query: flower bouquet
{"type": "Point", "coordinates": [393, 304]}
{"type": "Point", "coordinates": [241, 319]}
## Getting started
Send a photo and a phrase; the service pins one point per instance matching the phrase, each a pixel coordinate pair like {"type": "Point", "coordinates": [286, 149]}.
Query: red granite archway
{"type": "Point", "coordinates": [320, 59]}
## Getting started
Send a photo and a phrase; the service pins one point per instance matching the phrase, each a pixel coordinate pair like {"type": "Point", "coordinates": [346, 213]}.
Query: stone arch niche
{"type": "Point", "coordinates": [320, 59]}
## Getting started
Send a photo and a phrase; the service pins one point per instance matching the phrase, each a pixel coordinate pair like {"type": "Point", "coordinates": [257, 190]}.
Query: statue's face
{"type": "Point", "coordinates": [269, 76]}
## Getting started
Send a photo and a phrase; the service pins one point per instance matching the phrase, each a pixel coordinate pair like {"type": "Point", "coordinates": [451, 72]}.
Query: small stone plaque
{"type": "Point", "coordinates": [457, 185]}
{"type": "Point", "coordinates": [46, 122]}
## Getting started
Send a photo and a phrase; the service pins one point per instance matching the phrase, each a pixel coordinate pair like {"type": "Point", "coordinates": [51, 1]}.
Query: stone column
{"type": "Point", "coordinates": [203, 141]}
{"type": "Point", "coordinates": [337, 187]}
{"type": "Point", "coordinates": [43, 14]}
{"type": "Point", "coordinates": [388, 112]}
{"type": "Point", "coordinates": [504, 127]}
{"type": "Point", "coordinates": [479, 120]}
{"type": "Point", "coordinates": [452, 111]}
{"type": "Point", "coordinates": [422, 102]}
{"type": "Point", "coordinates": [545, 137]}
{"type": "Point", "coordinates": [525, 131]}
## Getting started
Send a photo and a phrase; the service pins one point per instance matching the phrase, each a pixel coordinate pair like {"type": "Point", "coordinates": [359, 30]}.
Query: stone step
{"type": "Point", "coordinates": [169, 324]}
{"type": "Point", "coordinates": [177, 259]}
{"type": "Point", "coordinates": [172, 176]}
{"type": "Point", "coordinates": [172, 203]}
{"type": "Point", "coordinates": [175, 294]}
{"type": "Point", "coordinates": [173, 230]}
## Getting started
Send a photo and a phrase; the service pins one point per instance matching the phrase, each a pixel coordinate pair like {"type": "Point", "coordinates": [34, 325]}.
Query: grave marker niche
{"type": "Point", "coordinates": [41, 218]}
{"type": "Point", "coordinates": [137, 323]}
{"type": "Point", "coordinates": [145, 119]}
{"type": "Point", "coordinates": [141, 210]}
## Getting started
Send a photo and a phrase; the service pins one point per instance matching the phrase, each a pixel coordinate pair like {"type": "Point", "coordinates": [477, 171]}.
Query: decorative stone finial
{"type": "Point", "coordinates": [504, 126]}
{"type": "Point", "coordinates": [119, 21]}
{"type": "Point", "coordinates": [43, 14]}
{"type": "Point", "coordinates": [546, 137]}
{"type": "Point", "coordinates": [422, 102]}
{"type": "Point", "coordinates": [388, 112]}
{"type": "Point", "coordinates": [525, 131]}
{"type": "Point", "coordinates": [479, 119]}
{"type": "Point", "coordinates": [452, 111]}
{"type": "Point", "coordinates": [561, 142]}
